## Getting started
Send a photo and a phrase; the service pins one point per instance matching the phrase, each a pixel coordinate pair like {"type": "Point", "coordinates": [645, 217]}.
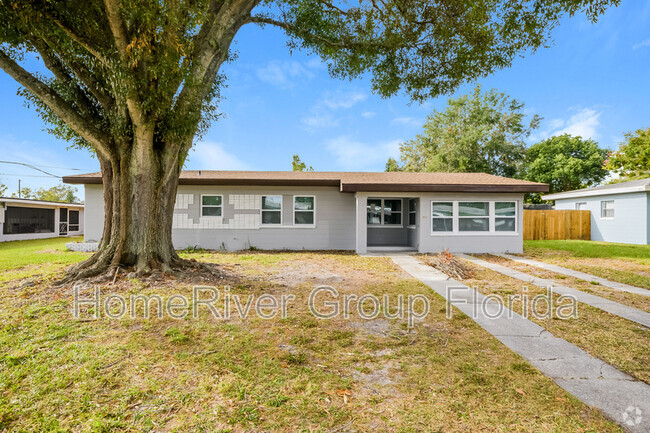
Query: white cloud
{"type": "Point", "coordinates": [642, 44]}
{"type": "Point", "coordinates": [283, 73]}
{"type": "Point", "coordinates": [584, 123]}
{"type": "Point", "coordinates": [408, 121]}
{"type": "Point", "coordinates": [320, 120]}
{"type": "Point", "coordinates": [355, 155]}
{"type": "Point", "coordinates": [321, 115]}
{"type": "Point", "coordinates": [212, 156]}
{"type": "Point", "coordinates": [368, 114]}
{"type": "Point", "coordinates": [337, 100]}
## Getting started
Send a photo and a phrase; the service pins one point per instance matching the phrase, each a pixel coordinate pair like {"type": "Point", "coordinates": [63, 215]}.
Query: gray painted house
{"type": "Point", "coordinates": [426, 212]}
{"type": "Point", "coordinates": [619, 212]}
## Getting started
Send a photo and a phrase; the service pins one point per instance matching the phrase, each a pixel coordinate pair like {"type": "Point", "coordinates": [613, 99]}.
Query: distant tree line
{"type": "Point", "coordinates": [61, 193]}
{"type": "Point", "coordinates": [487, 132]}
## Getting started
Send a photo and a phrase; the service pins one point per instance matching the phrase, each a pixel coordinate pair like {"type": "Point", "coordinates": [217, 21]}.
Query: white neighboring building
{"type": "Point", "coordinates": [426, 212]}
{"type": "Point", "coordinates": [22, 219]}
{"type": "Point", "coordinates": [620, 212]}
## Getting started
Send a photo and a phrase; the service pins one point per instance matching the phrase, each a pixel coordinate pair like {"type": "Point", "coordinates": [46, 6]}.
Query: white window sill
{"type": "Point", "coordinates": [385, 226]}
{"type": "Point", "coordinates": [474, 233]}
{"type": "Point", "coordinates": [285, 226]}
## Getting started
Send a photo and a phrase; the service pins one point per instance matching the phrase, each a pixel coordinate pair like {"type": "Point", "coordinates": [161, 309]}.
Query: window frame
{"type": "Point", "coordinates": [602, 209]}
{"type": "Point", "coordinates": [262, 210]}
{"type": "Point", "coordinates": [382, 223]}
{"type": "Point", "coordinates": [211, 205]}
{"type": "Point", "coordinates": [579, 203]}
{"type": "Point", "coordinates": [414, 212]}
{"type": "Point", "coordinates": [313, 211]}
{"type": "Point", "coordinates": [489, 217]}
{"type": "Point", "coordinates": [513, 217]}
{"type": "Point", "coordinates": [77, 224]}
{"type": "Point", "coordinates": [454, 223]}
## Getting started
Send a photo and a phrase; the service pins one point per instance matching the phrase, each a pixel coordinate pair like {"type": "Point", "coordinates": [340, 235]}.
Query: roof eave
{"type": "Point", "coordinates": [359, 187]}
{"type": "Point", "coordinates": [594, 193]}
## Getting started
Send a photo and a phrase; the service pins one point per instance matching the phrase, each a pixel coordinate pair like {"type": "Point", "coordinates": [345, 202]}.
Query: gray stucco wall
{"type": "Point", "coordinates": [631, 223]}
{"type": "Point", "coordinates": [239, 227]}
{"type": "Point", "coordinates": [428, 241]}
{"type": "Point", "coordinates": [340, 221]}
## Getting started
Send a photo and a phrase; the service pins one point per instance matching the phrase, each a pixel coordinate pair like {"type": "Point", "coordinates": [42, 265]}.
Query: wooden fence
{"type": "Point", "coordinates": [557, 224]}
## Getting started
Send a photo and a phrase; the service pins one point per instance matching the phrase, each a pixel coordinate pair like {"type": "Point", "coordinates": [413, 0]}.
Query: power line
{"type": "Point", "coordinates": [33, 167]}
{"type": "Point", "coordinates": [30, 175]}
{"type": "Point", "coordinates": [43, 166]}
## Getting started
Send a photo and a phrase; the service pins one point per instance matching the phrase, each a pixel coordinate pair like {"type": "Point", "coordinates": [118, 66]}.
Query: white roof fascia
{"type": "Point", "coordinates": [586, 193]}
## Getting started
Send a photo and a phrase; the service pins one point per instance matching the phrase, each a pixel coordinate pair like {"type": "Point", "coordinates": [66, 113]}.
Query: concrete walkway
{"type": "Point", "coordinates": [621, 397]}
{"type": "Point", "coordinates": [620, 310]}
{"type": "Point", "coordinates": [577, 274]}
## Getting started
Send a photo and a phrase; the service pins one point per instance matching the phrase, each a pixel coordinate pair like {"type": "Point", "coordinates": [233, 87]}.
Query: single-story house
{"type": "Point", "coordinates": [426, 212]}
{"type": "Point", "coordinates": [22, 218]}
{"type": "Point", "coordinates": [620, 212]}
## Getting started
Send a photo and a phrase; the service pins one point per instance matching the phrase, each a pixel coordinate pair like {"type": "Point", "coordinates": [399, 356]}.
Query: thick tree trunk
{"type": "Point", "coordinates": [139, 196]}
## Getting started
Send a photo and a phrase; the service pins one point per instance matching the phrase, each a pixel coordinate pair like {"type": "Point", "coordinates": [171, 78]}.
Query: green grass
{"type": "Point", "coordinates": [593, 249]}
{"type": "Point", "coordinates": [17, 254]}
{"type": "Point", "coordinates": [625, 263]}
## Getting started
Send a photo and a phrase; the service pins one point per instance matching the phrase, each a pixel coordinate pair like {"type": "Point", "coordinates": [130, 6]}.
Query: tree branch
{"type": "Point", "coordinates": [122, 42]}
{"type": "Point", "coordinates": [57, 104]}
{"type": "Point", "coordinates": [80, 41]}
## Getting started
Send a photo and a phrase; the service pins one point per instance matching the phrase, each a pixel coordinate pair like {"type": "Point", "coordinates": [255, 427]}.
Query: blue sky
{"type": "Point", "coordinates": [592, 81]}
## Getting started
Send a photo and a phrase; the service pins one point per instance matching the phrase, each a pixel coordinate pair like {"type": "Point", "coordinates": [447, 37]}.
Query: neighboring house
{"type": "Point", "coordinates": [620, 212]}
{"type": "Point", "coordinates": [234, 210]}
{"type": "Point", "coordinates": [22, 218]}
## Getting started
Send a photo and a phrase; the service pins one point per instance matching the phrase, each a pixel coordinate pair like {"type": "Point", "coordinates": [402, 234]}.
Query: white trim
{"type": "Point", "coordinates": [211, 205]}
{"type": "Point", "coordinates": [293, 216]}
{"type": "Point", "coordinates": [491, 219]}
{"type": "Point", "coordinates": [613, 209]}
{"type": "Point", "coordinates": [590, 193]}
{"type": "Point", "coordinates": [39, 202]}
{"type": "Point", "coordinates": [381, 218]}
{"type": "Point", "coordinates": [262, 224]}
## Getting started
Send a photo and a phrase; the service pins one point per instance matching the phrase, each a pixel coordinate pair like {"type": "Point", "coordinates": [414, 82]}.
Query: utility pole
{"type": "Point", "coordinates": [19, 188]}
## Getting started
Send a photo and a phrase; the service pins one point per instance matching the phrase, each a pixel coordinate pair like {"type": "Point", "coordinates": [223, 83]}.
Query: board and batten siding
{"type": "Point", "coordinates": [240, 226]}
{"type": "Point", "coordinates": [631, 222]}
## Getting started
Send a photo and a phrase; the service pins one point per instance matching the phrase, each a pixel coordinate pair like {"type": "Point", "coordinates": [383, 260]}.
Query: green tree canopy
{"type": "Point", "coordinates": [298, 165]}
{"type": "Point", "coordinates": [3, 189]}
{"type": "Point", "coordinates": [136, 81]}
{"type": "Point", "coordinates": [392, 165]}
{"type": "Point", "coordinates": [479, 132]}
{"type": "Point", "coordinates": [632, 159]}
{"type": "Point", "coordinates": [61, 192]}
{"type": "Point", "coordinates": [564, 162]}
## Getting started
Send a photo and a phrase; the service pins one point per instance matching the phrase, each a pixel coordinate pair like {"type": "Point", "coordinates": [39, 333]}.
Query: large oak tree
{"type": "Point", "coordinates": [135, 81]}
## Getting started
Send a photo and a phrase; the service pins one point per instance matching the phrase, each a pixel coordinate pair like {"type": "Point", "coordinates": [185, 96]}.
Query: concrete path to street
{"type": "Point", "coordinates": [596, 383]}
{"type": "Point", "coordinates": [577, 274]}
{"type": "Point", "coordinates": [615, 308]}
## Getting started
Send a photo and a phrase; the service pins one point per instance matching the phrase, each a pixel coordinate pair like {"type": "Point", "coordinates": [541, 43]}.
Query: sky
{"type": "Point", "coordinates": [591, 81]}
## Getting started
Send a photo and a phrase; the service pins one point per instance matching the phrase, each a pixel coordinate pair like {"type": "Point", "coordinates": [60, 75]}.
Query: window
{"type": "Point", "coordinates": [272, 209]}
{"type": "Point", "coordinates": [505, 219]}
{"type": "Point", "coordinates": [473, 216]}
{"type": "Point", "coordinates": [304, 209]}
{"type": "Point", "coordinates": [211, 205]}
{"type": "Point", "coordinates": [442, 213]}
{"type": "Point", "coordinates": [74, 221]}
{"type": "Point", "coordinates": [413, 208]}
{"type": "Point", "coordinates": [607, 209]}
{"type": "Point", "coordinates": [581, 205]}
{"type": "Point", "coordinates": [386, 211]}
{"type": "Point", "coordinates": [28, 220]}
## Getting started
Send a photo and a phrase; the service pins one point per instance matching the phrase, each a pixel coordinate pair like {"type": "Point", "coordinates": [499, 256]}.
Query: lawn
{"type": "Point", "coordinates": [617, 341]}
{"type": "Point", "coordinates": [626, 263]}
{"type": "Point", "coordinates": [294, 374]}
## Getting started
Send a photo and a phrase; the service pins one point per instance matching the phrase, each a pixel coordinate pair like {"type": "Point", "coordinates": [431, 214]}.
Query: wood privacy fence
{"type": "Point", "coordinates": [557, 224]}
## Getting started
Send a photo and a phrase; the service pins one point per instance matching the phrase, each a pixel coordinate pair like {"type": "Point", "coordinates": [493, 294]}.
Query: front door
{"type": "Point", "coordinates": [63, 222]}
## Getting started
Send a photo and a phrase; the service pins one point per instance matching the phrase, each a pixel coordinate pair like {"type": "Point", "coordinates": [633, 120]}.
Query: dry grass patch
{"type": "Point", "coordinates": [631, 299]}
{"type": "Point", "coordinates": [617, 341]}
{"type": "Point", "coordinates": [298, 374]}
